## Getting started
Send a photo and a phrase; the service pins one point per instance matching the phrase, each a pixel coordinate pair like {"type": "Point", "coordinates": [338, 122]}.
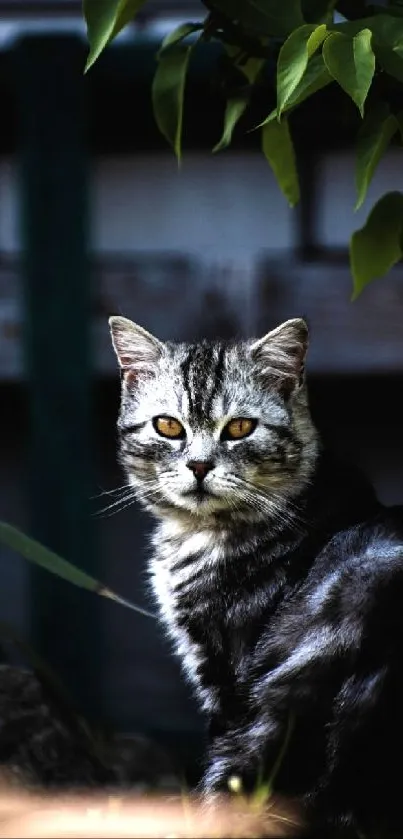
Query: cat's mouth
{"type": "Point", "coordinates": [199, 493]}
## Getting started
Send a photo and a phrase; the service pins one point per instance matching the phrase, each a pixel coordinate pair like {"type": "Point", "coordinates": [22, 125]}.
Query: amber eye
{"type": "Point", "coordinates": [238, 428]}
{"type": "Point", "coordinates": [169, 427]}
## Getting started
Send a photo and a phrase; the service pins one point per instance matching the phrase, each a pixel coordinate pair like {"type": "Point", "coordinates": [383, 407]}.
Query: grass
{"type": "Point", "coordinates": [107, 816]}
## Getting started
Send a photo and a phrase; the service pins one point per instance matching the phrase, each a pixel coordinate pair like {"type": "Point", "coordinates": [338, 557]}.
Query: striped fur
{"type": "Point", "coordinates": [281, 585]}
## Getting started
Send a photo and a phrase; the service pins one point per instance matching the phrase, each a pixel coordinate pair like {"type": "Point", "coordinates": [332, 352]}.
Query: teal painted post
{"type": "Point", "coordinates": [52, 142]}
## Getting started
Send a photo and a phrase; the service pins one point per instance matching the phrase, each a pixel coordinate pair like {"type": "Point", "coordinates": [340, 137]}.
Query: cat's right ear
{"type": "Point", "coordinates": [137, 351]}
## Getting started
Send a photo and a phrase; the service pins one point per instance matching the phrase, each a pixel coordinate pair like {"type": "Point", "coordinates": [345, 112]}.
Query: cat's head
{"type": "Point", "coordinates": [215, 430]}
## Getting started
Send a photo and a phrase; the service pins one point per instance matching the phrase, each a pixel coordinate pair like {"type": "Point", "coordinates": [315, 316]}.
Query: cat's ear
{"type": "Point", "coordinates": [280, 355]}
{"type": "Point", "coordinates": [138, 352]}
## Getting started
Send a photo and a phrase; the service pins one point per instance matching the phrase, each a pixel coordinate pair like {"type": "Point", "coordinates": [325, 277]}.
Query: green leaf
{"type": "Point", "coordinates": [351, 62]}
{"type": "Point", "coordinates": [390, 61]}
{"type": "Point", "coordinates": [374, 136]}
{"type": "Point", "coordinates": [278, 149]}
{"type": "Point", "coordinates": [250, 67]}
{"type": "Point", "coordinates": [263, 18]}
{"type": "Point", "coordinates": [50, 561]}
{"type": "Point", "coordinates": [233, 112]}
{"type": "Point", "coordinates": [385, 28]}
{"type": "Point", "coordinates": [168, 91]}
{"type": "Point", "coordinates": [105, 19]}
{"type": "Point", "coordinates": [315, 78]}
{"type": "Point", "coordinates": [177, 35]}
{"type": "Point", "coordinates": [376, 247]}
{"type": "Point", "coordinates": [272, 116]}
{"type": "Point", "coordinates": [293, 60]}
{"type": "Point", "coordinates": [387, 41]}
{"type": "Point", "coordinates": [316, 39]}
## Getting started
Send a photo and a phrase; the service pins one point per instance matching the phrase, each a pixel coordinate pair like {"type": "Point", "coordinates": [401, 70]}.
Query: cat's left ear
{"type": "Point", "coordinates": [138, 352]}
{"type": "Point", "coordinates": [280, 355]}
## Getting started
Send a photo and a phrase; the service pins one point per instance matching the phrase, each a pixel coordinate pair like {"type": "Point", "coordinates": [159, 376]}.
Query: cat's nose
{"type": "Point", "coordinates": [200, 468]}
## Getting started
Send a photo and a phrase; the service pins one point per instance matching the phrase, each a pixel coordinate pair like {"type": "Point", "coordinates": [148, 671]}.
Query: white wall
{"type": "Point", "coordinates": [223, 212]}
{"type": "Point", "coordinates": [224, 206]}
{"type": "Point", "coordinates": [221, 206]}
{"type": "Point", "coordinates": [337, 219]}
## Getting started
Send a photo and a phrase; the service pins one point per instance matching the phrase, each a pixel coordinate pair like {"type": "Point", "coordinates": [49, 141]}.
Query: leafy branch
{"type": "Point", "coordinates": [312, 49]}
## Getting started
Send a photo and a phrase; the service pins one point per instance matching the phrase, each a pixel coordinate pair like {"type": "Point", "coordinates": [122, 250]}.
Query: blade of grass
{"type": "Point", "coordinates": [265, 790]}
{"type": "Point", "coordinates": [33, 551]}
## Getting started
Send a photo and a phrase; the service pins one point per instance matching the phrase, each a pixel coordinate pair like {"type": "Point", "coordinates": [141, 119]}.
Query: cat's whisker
{"type": "Point", "coordinates": [116, 505]}
{"type": "Point", "coordinates": [124, 506]}
{"type": "Point", "coordinates": [109, 492]}
{"type": "Point", "coordinates": [285, 509]}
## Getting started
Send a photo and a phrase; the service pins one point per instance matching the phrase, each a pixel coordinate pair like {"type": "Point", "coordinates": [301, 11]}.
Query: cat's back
{"type": "Point", "coordinates": [362, 564]}
{"type": "Point", "coordinates": [348, 608]}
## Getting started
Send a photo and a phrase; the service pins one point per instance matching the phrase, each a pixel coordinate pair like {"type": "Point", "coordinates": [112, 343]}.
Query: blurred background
{"type": "Point", "coordinates": [95, 219]}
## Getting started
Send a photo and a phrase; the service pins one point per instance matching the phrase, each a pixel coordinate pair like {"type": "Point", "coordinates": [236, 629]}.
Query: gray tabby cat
{"type": "Point", "coordinates": [278, 574]}
{"type": "Point", "coordinates": [204, 474]}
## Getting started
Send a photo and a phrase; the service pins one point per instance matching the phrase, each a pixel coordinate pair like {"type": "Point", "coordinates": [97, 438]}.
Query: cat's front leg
{"type": "Point", "coordinates": [238, 759]}
{"type": "Point", "coordinates": [224, 765]}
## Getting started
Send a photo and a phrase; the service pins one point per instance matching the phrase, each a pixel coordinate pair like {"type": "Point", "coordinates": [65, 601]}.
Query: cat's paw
{"type": "Point", "coordinates": [225, 777]}
{"type": "Point", "coordinates": [217, 778]}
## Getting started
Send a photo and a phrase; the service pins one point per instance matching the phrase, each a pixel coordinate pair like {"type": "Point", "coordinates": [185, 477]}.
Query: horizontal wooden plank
{"type": "Point", "coordinates": [362, 337]}
{"type": "Point", "coordinates": [181, 298]}
{"type": "Point", "coordinates": [172, 295]}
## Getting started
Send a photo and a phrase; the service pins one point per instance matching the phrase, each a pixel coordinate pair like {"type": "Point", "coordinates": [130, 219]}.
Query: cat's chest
{"type": "Point", "coordinates": [184, 574]}
{"type": "Point", "coordinates": [184, 578]}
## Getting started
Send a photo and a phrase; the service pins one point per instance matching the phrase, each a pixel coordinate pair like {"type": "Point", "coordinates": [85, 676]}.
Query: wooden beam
{"type": "Point", "coordinates": [57, 296]}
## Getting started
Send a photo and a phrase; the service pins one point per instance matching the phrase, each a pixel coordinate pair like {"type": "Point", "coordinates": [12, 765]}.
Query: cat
{"type": "Point", "coordinates": [278, 574]}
